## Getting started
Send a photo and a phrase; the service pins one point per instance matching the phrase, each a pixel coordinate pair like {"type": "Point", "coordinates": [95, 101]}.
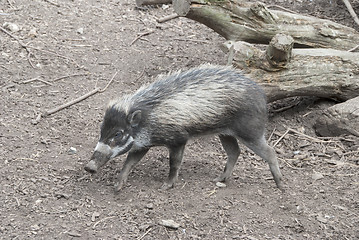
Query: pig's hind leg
{"type": "Point", "coordinates": [231, 147]}
{"type": "Point", "coordinates": [261, 148]}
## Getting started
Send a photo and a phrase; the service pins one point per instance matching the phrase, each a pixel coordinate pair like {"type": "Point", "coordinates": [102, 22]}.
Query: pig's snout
{"type": "Point", "coordinates": [91, 167]}
{"type": "Point", "coordinates": [98, 159]}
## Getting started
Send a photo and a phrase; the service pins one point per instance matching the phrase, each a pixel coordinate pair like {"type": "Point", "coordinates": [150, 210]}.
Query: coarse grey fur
{"type": "Point", "coordinates": [204, 100]}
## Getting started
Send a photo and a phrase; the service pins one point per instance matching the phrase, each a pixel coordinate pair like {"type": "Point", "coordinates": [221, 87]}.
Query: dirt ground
{"type": "Point", "coordinates": [78, 45]}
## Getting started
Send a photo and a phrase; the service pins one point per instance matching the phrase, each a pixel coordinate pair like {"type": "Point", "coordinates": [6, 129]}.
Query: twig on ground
{"type": "Point", "coordinates": [108, 84]}
{"type": "Point", "coordinates": [301, 134]}
{"type": "Point", "coordinates": [27, 48]}
{"type": "Point", "coordinates": [36, 79]}
{"type": "Point", "coordinates": [6, 87]}
{"type": "Point", "coordinates": [271, 135]}
{"type": "Point", "coordinates": [351, 11]}
{"type": "Point", "coordinates": [52, 53]}
{"type": "Point", "coordinates": [30, 80]}
{"type": "Point", "coordinates": [10, 3]}
{"type": "Point", "coordinates": [140, 3]}
{"type": "Point", "coordinates": [354, 49]}
{"type": "Point", "coordinates": [340, 162]}
{"type": "Point", "coordinates": [281, 137]}
{"type": "Point", "coordinates": [167, 18]}
{"type": "Point", "coordinates": [70, 103]}
{"type": "Point", "coordinates": [77, 100]}
{"type": "Point", "coordinates": [74, 234]}
{"type": "Point", "coordinates": [29, 59]}
{"type": "Point", "coordinates": [141, 35]}
{"type": "Point", "coordinates": [286, 107]}
{"type": "Point", "coordinates": [17, 201]}
{"type": "Point", "coordinates": [307, 136]}
{"type": "Point", "coordinates": [210, 193]}
{"type": "Point", "coordinates": [289, 165]}
{"type": "Point", "coordinates": [53, 3]}
{"type": "Point", "coordinates": [26, 159]}
{"type": "Point", "coordinates": [82, 178]}
{"type": "Point", "coordinates": [21, 44]}
{"type": "Point", "coordinates": [192, 40]}
{"type": "Point", "coordinates": [53, 212]}
{"type": "Point", "coordinates": [139, 77]}
{"type": "Point", "coordinates": [102, 220]}
{"type": "Point", "coordinates": [348, 153]}
{"type": "Point", "coordinates": [37, 120]}
{"type": "Point", "coordinates": [147, 232]}
{"type": "Point", "coordinates": [68, 76]}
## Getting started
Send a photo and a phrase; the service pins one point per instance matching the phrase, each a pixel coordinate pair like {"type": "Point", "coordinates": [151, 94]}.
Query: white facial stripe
{"type": "Point", "coordinates": [142, 140]}
{"type": "Point", "coordinates": [103, 148]}
{"type": "Point", "coordinates": [121, 149]}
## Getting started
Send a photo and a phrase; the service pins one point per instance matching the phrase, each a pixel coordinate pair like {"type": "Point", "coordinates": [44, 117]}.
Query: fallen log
{"type": "Point", "coordinates": [285, 72]}
{"type": "Point", "coordinates": [342, 118]}
{"type": "Point", "coordinates": [252, 22]}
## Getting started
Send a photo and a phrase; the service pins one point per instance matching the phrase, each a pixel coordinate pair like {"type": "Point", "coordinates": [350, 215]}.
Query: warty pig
{"type": "Point", "coordinates": [205, 100]}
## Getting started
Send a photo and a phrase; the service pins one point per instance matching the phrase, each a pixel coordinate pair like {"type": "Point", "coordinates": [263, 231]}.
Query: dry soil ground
{"type": "Point", "coordinates": [75, 46]}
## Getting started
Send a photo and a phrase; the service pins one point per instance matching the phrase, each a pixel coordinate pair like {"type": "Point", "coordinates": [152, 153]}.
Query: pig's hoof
{"type": "Point", "coordinates": [91, 167]}
{"type": "Point", "coordinates": [166, 186]}
{"type": "Point", "coordinates": [280, 187]}
{"type": "Point", "coordinates": [219, 179]}
{"type": "Point", "coordinates": [118, 186]}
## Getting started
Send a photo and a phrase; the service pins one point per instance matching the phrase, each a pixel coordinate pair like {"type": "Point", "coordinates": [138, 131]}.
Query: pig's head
{"type": "Point", "coordinates": [116, 137]}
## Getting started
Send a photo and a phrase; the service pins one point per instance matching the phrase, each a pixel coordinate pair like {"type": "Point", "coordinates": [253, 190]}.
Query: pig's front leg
{"type": "Point", "coordinates": [176, 155]}
{"type": "Point", "coordinates": [132, 159]}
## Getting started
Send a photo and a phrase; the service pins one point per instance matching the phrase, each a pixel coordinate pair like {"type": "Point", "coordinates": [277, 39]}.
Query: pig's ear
{"type": "Point", "coordinates": [135, 118]}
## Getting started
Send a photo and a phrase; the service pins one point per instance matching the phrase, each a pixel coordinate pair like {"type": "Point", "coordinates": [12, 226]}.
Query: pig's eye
{"type": "Point", "coordinates": [119, 134]}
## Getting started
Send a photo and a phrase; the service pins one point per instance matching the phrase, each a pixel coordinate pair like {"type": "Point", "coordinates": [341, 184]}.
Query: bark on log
{"type": "Point", "coordinates": [140, 3]}
{"type": "Point", "coordinates": [342, 118]}
{"type": "Point", "coordinates": [284, 72]}
{"type": "Point", "coordinates": [254, 23]}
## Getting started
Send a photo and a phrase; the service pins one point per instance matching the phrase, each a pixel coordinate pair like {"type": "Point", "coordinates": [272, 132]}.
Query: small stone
{"type": "Point", "coordinates": [94, 216]}
{"type": "Point", "coordinates": [62, 195]}
{"type": "Point", "coordinates": [74, 233]}
{"type": "Point", "coordinates": [221, 185]}
{"type": "Point", "coordinates": [11, 26]}
{"type": "Point", "coordinates": [299, 209]}
{"type": "Point", "coordinates": [322, 219]}
{"type": "Point", "coordinates": [170, 224]}
{"type": "Point", "coordinates": [296, 152]}
{"type": "Point", "coordinates": [340, 207]}
{"type": "Point", "coordinates": [44, 195]}
{"type": "Point", "coordinates": [317, 176]}
{"type": "Point", "coordinates": [72, 150]}
{"type": "Point", "coordinates": [149, 206]}
{"type": "Point", "coordinates": [35, 227]}
{"type": "Point", "coordinates": [80, 30]}
{"type": "Point", "coordinates": [32, 33]}
{"type": "Point", "coordinates": [335, 162]}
